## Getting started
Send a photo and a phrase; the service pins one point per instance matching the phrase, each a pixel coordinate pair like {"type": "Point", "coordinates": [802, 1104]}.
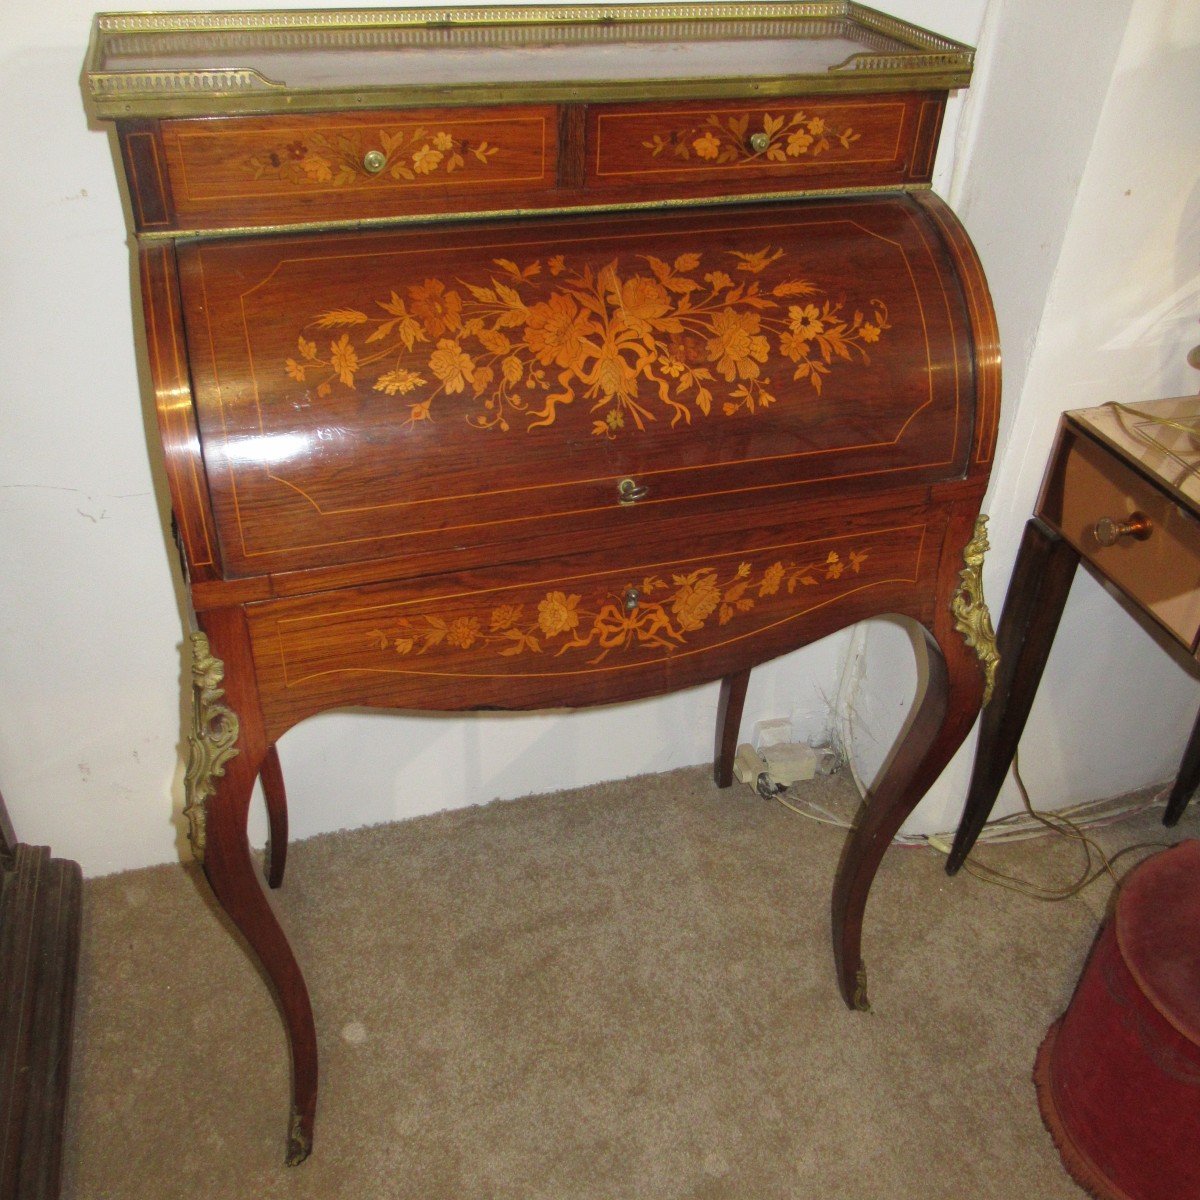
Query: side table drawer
{"type": "Point", "coordinates": [1161, 570]}
{"type": "Point", "coordinates": [346, 166]}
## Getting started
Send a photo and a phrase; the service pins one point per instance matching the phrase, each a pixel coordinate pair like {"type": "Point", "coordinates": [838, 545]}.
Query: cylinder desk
{"type": "Point", "coordinates": [527, 358]}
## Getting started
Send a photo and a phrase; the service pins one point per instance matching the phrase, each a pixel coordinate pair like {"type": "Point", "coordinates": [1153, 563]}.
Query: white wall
{"type": "Point", "coordinates": [90, 611]}
{"type": "Point", "coordinates": [1079, 179]}
{"type": "Point", "coordinates": [91, 615]}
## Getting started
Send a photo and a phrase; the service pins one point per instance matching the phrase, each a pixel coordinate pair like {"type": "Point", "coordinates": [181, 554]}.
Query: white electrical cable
{"type": "Point", "coordinates": [847, 693]}
{"type": "Point", "coordinates": [1017, 826]}
{"type": "Point", "coordinates": [1012, 828]}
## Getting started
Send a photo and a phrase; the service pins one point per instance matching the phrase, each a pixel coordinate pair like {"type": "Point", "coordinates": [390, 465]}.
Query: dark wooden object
{"type": "Point", "coordinates": [40, 916]}
{"type": "Point", "coordinates": [1187, 781]}
{"type": "Point", "coordinates": [426, 455]}
{"type": "Point", "coordinates": [1108, 464]}
{"type": "Point", "coordinates": [1037, 595]}
{"type": "Point", "coordinates": [729, 721]}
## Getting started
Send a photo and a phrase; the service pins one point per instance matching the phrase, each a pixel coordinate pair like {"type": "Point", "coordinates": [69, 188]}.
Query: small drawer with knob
{"type": "Point", "coordinates": [243, 171]}
{"type": "Point", "coordinates": [1131, 531]}
{"type": "Point", "coordinates": [785, 144]}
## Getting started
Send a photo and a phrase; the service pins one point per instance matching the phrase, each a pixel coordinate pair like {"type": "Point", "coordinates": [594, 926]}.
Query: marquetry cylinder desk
{"type": "Point", "coordinates": [533, 358]}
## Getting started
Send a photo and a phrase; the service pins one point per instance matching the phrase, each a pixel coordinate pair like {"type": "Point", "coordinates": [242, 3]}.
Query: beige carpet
{"type": "Point", "coordinates": [624, 991]}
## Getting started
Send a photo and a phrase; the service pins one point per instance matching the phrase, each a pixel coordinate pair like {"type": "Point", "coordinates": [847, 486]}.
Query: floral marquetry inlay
{"type": "Point", "coordinates": [346, 158]}
{"type": "Point", "coordinates": [637, 339]}
{"type": "Point", "coordinates": [656, 613]}
{"type": "Point", "coordinates": [729, 139]}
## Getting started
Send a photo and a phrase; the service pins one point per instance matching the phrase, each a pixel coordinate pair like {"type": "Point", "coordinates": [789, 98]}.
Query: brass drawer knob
{"type": "Point", "coordinates": [632, 599]}
{"type": "Point", "coordinates": [759, 141]}
{"type": "Point", "coordinates": [629, 491]}
{"type": "Point", "coordinates": [1108, 531]}
{"type": "Point", "coordinates": [374, 161]}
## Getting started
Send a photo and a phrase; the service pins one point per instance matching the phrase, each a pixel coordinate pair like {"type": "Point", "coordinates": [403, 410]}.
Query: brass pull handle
{"type": "Point", "coordinates": [632, 599]}
{"type": "Point", "coordinates": [374, 161]}
{"type": "Point", "coordinates": [629, 491]}
{"type": "Point", "coordinates": [759, 141]}
{"type": "Point", "coordinates": [1109, 531]}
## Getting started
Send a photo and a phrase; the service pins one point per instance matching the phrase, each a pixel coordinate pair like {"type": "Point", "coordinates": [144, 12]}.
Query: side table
{"type": "Point", "coordinates": [1122, 492]}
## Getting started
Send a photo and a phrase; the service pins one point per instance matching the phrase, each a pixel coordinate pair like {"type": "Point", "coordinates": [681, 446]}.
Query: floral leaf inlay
{"type": "Point", "coordinates": [405, 154]}
{"type": "Point", "coordinates": [728, 139]}
{"type": "Point", "coordinates": [637, 338]}
{"type": "Point", "coordinates": [667, 613]}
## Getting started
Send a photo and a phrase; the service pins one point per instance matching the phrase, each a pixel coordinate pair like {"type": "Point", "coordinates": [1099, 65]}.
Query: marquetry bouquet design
{"type": "Point", "coordinates": [728, 139]}
{"type": "Point", "coordinates": [337, 159]}
{"type": "Point", "coordinates": [637, 339]}
{"type": "Point", "coordinates": [662, 614]}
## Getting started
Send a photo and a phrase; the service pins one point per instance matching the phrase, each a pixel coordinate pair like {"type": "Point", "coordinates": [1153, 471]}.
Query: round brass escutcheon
{"type": "Point", "coordinates": [632, 599]}
{"type": "Point", "coordinates": [629, 491]}
{"type": "Point", "coordinates": [374, 161]}
{"type": "Point", "coordinates": [759, 141]}
{"type": "Point", "coordinates": [1109, 531]}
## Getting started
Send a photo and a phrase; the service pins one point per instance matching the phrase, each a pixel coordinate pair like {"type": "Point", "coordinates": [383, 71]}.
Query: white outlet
{"type": "Point", "coordinates": [772, 732]}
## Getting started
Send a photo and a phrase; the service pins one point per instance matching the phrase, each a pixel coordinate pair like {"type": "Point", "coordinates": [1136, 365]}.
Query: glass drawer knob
{"type": "Point", "coordinates": [632, 599]}
{"type": "Point", "coordinates": [1109, 532]}
{"type": "Point", "coordinates": [374, 161]}
{"type": "Point", "coordinates": [759, 141]}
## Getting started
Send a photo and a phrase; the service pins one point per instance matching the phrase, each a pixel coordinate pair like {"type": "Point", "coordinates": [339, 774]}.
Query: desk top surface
{"type": "Point", "coordinates": [166, 64]}
{"type": "Point", "coordinates": [1161, 437]}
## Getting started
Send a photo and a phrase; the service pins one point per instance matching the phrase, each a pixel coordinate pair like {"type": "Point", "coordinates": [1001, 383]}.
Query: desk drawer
{"type": "Point", "coordinates": [791, 143]}
{"type": "Point", "coordinates": [582, 630]}
{"type": "Point", "coordinates": [373, 395]}
{"type": "Point", "coordinates": [347, 166]}
{"type": "Point", "coordinates": [1160, 572]}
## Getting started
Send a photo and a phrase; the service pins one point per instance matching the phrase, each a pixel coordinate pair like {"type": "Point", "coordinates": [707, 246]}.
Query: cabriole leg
{"type": "Point", "coordinates": [271, 777]}
{"type": "Point", "coordinates": [959, 644]}
{"type": "Point", "coordinates": [228, 750]}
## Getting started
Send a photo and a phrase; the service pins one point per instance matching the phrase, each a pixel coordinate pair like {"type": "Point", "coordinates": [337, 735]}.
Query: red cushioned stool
{"type": "Point", "coordinates": [1118, 1076]}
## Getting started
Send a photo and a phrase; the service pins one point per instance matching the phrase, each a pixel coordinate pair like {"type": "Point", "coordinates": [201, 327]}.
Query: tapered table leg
{"type": "Point", "coordinates": [1187, 780]}
{"type": "Point", "coordinates": [1036, 597]}
{"type": "Point", "coordinates": [729, 722]}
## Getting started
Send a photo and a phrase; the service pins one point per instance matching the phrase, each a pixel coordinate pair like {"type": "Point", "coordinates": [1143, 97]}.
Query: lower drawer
{"type": "Point", "coordinates": [1159, 570]}
{"type": "Point", "coordinates": [577, 632]}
